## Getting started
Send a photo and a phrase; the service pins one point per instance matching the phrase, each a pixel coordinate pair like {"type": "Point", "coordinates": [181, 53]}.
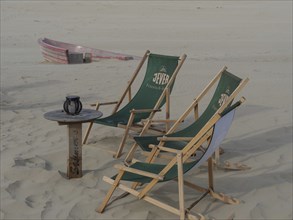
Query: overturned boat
{"type": "Point", "coordinates": [60, 52]}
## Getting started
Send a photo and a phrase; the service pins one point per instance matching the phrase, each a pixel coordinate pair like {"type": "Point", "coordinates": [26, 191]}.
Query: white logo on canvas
{"type": "Point", "coordinates": [223, 97]}
{"type": "Point", "coordinates": [161, 78]}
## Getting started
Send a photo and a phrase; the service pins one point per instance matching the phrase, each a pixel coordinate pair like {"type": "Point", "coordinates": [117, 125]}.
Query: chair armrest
{"type": "Point", "coordinates": [164, 138]}
{"type": "Point", "coordinates": [167, 149]}
{"type": "Point", "coordinates": [159, 120]}
{"type": "Point", "coordinates": [105, 103]}
{"type": "Point", "coordinates": [235, 105]}
{"type": "Point", "coordinates": [136, 171]}
{"type": "Point", "coordinates": [135, 111]}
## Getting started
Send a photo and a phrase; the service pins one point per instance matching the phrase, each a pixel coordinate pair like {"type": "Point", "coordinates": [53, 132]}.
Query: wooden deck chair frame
{"type": "Point", "coordinates": [194, 107]}
{"type": "Point", "coordinates": [130, 125]}
{"type": "Point", "coordinates": [181, 157]}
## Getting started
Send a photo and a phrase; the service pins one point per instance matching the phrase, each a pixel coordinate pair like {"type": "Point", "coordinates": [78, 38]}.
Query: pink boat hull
{"type": "Point", "coordinates": [57, 52]}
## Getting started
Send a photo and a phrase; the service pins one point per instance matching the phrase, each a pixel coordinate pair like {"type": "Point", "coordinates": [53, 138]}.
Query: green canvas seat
{"type": "Point", "coordinates": [147, 175]}
{"type": "Point", "coordinates": [226, 85]}
{"type": "Point", "coordinates": [154, 92]}
{"type": "Point", "coordinates": [149, 92]}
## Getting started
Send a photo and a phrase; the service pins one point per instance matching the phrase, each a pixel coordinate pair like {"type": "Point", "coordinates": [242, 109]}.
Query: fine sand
{"type": "Point", "coordinates": [252, 38]}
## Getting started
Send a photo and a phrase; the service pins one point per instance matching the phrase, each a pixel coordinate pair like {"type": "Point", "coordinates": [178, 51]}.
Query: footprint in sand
{"type": "Point", "coordinates": [34, 201]}
{"type": "Point", "coordinates": [34, 162]}
{"type": "Point", "coordinates": [12, 188]}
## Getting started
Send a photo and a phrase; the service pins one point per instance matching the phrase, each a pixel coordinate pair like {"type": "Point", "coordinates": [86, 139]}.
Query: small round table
{"type": "Point", "coordinates": [74, 124]}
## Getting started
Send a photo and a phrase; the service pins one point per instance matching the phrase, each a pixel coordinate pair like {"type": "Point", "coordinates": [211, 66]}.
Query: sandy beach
{"type": "Point", "coordinates": [252, 38]}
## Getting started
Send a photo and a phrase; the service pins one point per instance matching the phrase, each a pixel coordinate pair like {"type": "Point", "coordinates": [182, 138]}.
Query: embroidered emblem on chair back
{"type": "Point", "coordinates": [161, 78]}
{"type": "Point", "coordinates": [224, 97]}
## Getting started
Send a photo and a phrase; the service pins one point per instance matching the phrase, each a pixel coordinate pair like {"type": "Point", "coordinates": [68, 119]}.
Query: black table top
{"type": "Point", "coordinates": [85, 115]}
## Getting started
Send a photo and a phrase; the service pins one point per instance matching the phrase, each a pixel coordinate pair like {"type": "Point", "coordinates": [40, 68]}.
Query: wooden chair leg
{"type": "Point", "coordinates": [180, 186]}
{"type": "Point", "coordinates": [196, 112]}
{"type": "Point", "coordinates": [101, 208]}
{"type": "Point", "coordinates": [122, 143]}
{"type": "Point", "coordinates": [217, 157]}
{"type": "Point", "coordinates": [87, 133]}
{"type": "Point", "coordinates": [219, 196]}
{"type": "Point", "coordinates": [224, 198]}
{"type": "Point", "coordinates": [130, 154]}
{"type": "Point", "coordinates": [210, 173]}
{"type": "Point", "coordinates": [147, 188]}
{"type": "Point", "coordinates": [150, 157]}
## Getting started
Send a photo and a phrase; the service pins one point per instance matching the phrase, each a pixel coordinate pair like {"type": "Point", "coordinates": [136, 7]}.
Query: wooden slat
{"type": "Point", "coordinates": [160, 120]}
{"type": "Point", "coordinates": [167, 149]}
{"type": "Point", "coordinates": [129, 94]}
{"type": "Point", "coordinates": [109, 103]}
{"type": "Point", "coordinates": [121, 145]}
{"type": "Point", "coordinates": [196, 112]}
{"type": "Point", "coordinates": [89, 127]}
{"type": "Point", "coordinates": [136, 171]}
{"type": "Point", "coordinates": [210, 173]}
{"type": "Point", "coordinates": [165, 138]}
{"type": "Point", "coordinates": [180, 186]}
{"type": "Point", "coordinates": [144, 110]}
{"type": "Point", "coordinates": [224, 198]}
{"type": "Point", "coordinates": [110, 192]}
{"type": "Point", "coordinates": [167, 107]}
{"type": "Point", "coordinates": [194, 186]}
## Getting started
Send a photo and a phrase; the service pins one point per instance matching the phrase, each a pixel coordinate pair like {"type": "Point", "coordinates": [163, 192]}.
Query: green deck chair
{"type": "Point", "coordinates": [154, 92]}
{"type": "Point", "coordinates": [227, 84]}
{"type": "Point", "coordinates": [147, 175]}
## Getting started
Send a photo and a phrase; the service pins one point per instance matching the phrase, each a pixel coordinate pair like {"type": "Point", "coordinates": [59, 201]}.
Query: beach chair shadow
{"type": "Point", "coordinates": [148, 175]}
{"type": "Point", "coordinates": [154, 92]}
{"type": "Point", "coordinates": [228, 84]}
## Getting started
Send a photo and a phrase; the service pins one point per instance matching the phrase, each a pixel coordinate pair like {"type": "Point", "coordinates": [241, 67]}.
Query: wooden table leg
{"type": "Point", "coordinates": [74, 163]}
